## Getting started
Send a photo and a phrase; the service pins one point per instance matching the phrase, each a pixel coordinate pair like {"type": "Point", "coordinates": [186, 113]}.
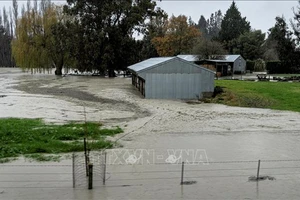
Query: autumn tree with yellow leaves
{"type": "Point", "coordinates": [37, 45]}
{"type": "Point", "coordinates": [178, 37]}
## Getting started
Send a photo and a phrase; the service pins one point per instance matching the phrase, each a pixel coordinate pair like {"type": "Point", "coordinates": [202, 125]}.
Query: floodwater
{"type": "Point", "coordinates": [220, 145]}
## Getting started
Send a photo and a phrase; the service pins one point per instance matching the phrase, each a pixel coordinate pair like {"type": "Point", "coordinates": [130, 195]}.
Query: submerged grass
{"type": "Point", "coordinates": [31, 136]}
{"type": "Point", "coordinates": [274, 95]}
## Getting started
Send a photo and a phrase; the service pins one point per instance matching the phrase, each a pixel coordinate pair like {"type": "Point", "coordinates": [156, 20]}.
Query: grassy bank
{"type": "Point", "coordinates": [274, 95]}
{"type": "Point", "coordinates": [31, 136]}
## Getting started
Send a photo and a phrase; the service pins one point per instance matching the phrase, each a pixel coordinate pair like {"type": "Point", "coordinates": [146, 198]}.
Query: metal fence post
{"type": "Point", "coordinates": [90, 167]}
{"type": "Point", "coordinates": [182, 172]}
{"type": "Point", "coordinates": [104, 169]}
{"type": "Point", "coordinates": [258, 168]}
{"type": "Point", "coordinates": [73, 169]}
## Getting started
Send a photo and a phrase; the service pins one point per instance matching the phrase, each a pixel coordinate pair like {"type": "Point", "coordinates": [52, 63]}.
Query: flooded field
{"type": "Point", "coordinates": [220, 145]}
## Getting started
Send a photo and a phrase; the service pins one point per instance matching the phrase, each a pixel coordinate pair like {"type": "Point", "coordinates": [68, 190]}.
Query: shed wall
{"type": "Point", "coordinates": [207, 81]}
{"type": "Point", "coordinates": [240, 64]}
{"type": "Point", "coordinates": [178, 86]}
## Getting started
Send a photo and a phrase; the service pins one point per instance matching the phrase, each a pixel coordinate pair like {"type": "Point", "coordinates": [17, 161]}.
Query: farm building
{"type": "Point", "coordinates": [171, 78]}
{"type": "Point", "coordinates": [223, 65]}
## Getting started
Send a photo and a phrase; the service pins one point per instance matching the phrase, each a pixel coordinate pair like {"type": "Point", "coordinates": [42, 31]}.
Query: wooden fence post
{"type": "Point", "coordinates": [90, 166]}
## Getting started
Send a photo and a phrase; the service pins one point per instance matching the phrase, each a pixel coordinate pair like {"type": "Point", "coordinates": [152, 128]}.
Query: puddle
{"type": "Point", "coordinates": [261, 178]}
{"type": "Point", "coordinates": [188, 183]}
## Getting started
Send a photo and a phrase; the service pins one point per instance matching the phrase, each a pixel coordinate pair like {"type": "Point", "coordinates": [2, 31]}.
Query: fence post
{"type": "Point", "coordinates": [73, 169]}
{"type": "Point", "coordinates": [104, 169]}
{"type": "Point", "coordinates": [90, 167]}
{"type": "Point", "coordinates": [258, 168]}
{"type": "Point", "coordinates": [182, 172]}
{"type": "Point", "coordinates": [85, 157]}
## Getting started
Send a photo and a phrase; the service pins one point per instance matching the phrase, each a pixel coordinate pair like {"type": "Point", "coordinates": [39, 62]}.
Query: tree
{"type": "Point", "coordinates": [214, 24]}
{"type": "Point", "coordinates": [104, 30]}
{"type": "Point", "coordinates": [211, 27]}
{"type": "Point", "coordinates": [296, 23]}
{"type": "Point", "coordinates": [5, 49]}
{"type": "Point", "coordinates": [39, 44]}
{"type": "Point", "coordinates": [206, 48]}
{"type": "Point", "coordinates": [59, 39]}
{"type": "Point", "coordinates": [155, 28]}
{"type": "Point", "coordinates": [259, 65]}
{"type": "Point", "coordinates": [6, 23]}
{"type": "Point", "coordinates": [15, 13]}
{"type": "Point", "coordinates": [5, 40]}
{"type": "Point", "coordinates": [233, 25]}
{"type": "Point", "coordinates": [202, 26]}
{"type": "Point", "coordinates": [284, 44]}
{"type": "Point", "coordinates": [249, 45]}
{"type": "Point", "coordinates": [178, 38]}
{"type": "Point", "coordinates": [270, 51]}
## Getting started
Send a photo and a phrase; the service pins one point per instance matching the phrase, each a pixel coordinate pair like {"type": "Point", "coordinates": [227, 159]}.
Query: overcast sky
{"type": "Point", "coordinates": [260, 14]}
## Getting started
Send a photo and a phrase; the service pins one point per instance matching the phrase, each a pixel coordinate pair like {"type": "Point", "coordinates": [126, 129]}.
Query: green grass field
{"type": "Point", "coordinates": [274, 95]}
{"type": "Point", "coordinates": [33, 138]}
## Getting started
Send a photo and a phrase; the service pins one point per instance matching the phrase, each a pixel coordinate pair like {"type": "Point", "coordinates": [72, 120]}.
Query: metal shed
{"type": "Point", "coordinates": [171, 78]}
{"type": "Point", "coordinates": [225, 66]}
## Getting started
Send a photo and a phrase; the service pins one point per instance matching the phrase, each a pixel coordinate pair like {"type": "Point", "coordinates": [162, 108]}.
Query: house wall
{"type": "Point", "coordinates": [240, 65]}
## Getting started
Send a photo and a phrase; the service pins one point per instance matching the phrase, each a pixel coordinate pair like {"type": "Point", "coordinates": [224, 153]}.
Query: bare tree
{"type": "Point", "coordinates": [0, 19]}
{"type": "Point", "coordinates": [15, 13]}
{"type": "Point", "coordinates": [23, 10]}
{"type": "Point", "coordinates": [11, 23]}
{"type": "Point", "coordinates": [28, 5]}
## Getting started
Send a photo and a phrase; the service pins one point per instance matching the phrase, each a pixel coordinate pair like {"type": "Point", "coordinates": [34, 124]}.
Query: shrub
{"type": "Point", "coordinates": [218, 90]}
{"type": "Point", "coordinates": [259, 65]}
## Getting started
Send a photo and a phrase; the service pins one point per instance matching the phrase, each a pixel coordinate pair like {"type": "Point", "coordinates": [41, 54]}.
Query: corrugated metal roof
{"type": "Point", "coordinates": [193, 58]}
{"type": "Point", "coordinates": [224, 61]}
{"type": "Point", "coordinates": [231, 58]}
{"type": "Point", "coordinates": [190, 58]}
{"type": "Point", "coordinates": [149, 63]}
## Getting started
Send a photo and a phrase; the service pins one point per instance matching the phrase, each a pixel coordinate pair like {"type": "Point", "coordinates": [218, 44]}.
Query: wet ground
{"type": "Point", "coordinates": [220, 145]}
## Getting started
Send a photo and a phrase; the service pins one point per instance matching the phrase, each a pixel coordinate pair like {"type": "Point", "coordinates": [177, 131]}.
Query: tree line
{"type": "Point", "coordinates": [101, 36]}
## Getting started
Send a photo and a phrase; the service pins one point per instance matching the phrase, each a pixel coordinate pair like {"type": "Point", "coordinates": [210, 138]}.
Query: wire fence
{"type": "Point", "coordinates": [62, 175]}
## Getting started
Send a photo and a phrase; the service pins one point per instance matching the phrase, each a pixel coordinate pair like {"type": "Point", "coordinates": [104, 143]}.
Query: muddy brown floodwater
{"type": "Point", "coordinates": [220, 145]}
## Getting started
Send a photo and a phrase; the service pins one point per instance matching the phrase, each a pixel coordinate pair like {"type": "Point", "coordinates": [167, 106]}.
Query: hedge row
{"type": "Point", "coordinates": [273, 67]}
{"type": "Point", "coordinates": [276, 67]}
{"type": "Point", "coordinates": [250, 65]}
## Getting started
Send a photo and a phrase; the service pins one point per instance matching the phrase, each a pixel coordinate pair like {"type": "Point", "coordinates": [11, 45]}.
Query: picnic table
{"type": "Point", "coordinates": [262, 77]}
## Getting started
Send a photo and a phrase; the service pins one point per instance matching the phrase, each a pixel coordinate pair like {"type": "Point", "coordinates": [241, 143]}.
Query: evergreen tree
{"type": "Point", "coordinates": [233, 25]}
{"type": "Point", "coordinates": [249, 45]}
{"type": "Point", "coordinates": [285, 45]}
{"type": "Point", "coordinates": [296, 23]}
{"type": "Point", "coordinates": [202, 26]}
